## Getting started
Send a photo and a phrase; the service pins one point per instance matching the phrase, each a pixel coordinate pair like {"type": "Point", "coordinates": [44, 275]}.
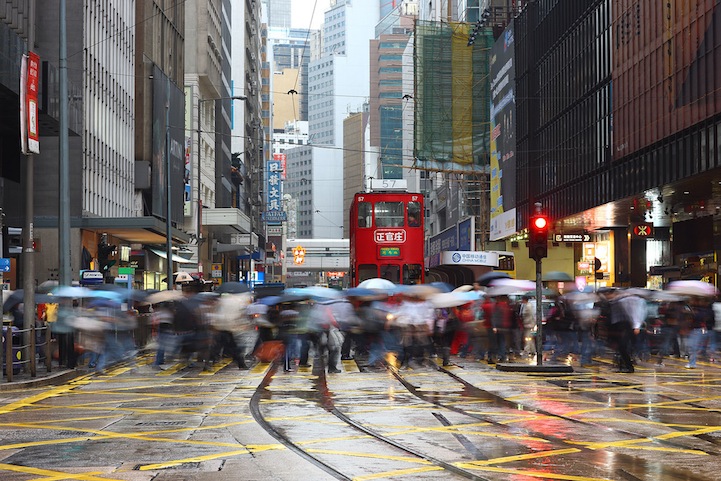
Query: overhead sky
{"type": "Point", "coordinates": [303, 9]}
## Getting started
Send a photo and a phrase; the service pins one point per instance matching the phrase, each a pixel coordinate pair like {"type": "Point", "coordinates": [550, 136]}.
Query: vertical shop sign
{"type": "Point", "coordinates": [29, 74]}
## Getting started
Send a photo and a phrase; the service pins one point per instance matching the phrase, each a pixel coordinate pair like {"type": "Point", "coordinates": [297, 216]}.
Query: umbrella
{"type": "Point", "coordinates": [557, 276]}
{"type": "Point", "coordinates": [442, 286]}
{"type": "Point", "coordinates": [363, 294]}
{"type": "Point", "coordinates": [546, 292]}
{"type": "Point", "coordinates": [449, 299]}
{"type": "Point", "coordinates": [314, 292]}
{"type": "Point", "coordinates": [692, 288]}
{"type": "Point", "coordinates": [464, 288]}
{"type": "Point", "coordinates": [103, 303]}
{"type": "Point", "coordinates": [179, 277]}
{"type": "Point", "coordinates": [422, 291]}
{"type": "Point", "coordinates": [18, 296]}
{"type": "Point", "coordinates": [74, 292]}
{"type": "Point", "coordinates": [378, 283]}
{"type": "Point", "coordinates": [494, 291]}
{"type": "Point", "coordinates": [233, 288]}
{"type": "Point", "coordinates": [270, 300]}
{"type": "Point", "coordinates": [48, 286]}
{"type": "Point", "coordinates": [485, 279]}
{"type": "Point", "coordinates": [519, 284]}
{"type": "Point", "coordinates": [164, 296]}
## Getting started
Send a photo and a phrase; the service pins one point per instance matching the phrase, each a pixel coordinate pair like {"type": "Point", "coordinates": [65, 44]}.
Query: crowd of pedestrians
{"type": "Point", "coordinates": [407, 328]}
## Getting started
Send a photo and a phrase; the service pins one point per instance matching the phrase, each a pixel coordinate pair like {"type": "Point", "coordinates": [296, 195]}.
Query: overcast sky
{"type": "Point", "coordinates": [301, 11]}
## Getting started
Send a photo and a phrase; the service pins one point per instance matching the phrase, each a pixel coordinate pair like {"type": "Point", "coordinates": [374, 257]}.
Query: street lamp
{"type": "Point", "coordinates": [200, 206]}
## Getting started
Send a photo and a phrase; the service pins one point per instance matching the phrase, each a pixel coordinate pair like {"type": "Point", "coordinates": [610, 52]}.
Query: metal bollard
{"type": "Point", "coordinates": [33, 362]}
{"type": "Point", "coordinates": [9, 353]}
{"type": "Point", "coordinates": [48, 350]}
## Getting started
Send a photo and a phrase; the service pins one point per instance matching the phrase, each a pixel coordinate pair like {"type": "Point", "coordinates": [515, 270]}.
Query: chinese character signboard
{"type": "Point", "coordinates": [29, 75]}
{"type": "Point", "coordinates": [274, 206]}
{"type": "Point", "coordinates": [390, 236]}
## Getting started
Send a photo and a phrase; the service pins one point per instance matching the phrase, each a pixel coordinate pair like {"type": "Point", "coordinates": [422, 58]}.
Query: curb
{"type": "Point", "coordinates": [50, 379]}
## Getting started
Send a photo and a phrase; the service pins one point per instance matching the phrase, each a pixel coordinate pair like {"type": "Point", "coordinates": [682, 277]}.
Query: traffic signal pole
{"type": "Point", "coordinates": [539, 315]}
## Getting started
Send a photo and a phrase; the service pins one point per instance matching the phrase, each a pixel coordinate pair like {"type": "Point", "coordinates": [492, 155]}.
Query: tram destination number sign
{"type": "Point", "coordinates": [571, 237]}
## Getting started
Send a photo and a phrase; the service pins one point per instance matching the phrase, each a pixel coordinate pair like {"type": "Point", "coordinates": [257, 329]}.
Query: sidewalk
{"type": "Point", "coordinates": [23, 379]}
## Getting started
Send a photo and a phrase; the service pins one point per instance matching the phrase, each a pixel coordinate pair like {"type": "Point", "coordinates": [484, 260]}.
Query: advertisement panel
{"type": "Point", "coordinates": [665, 74]}
{"type": "Point", "coordinates": [503, 138]}
{"type": "Point", "coordinates": [29, 75]}
{"type": "Point", "coordinates": [274, 192]}
{"type": "Point", "coordinates": [282, 158]}
{"type": "Point", "coordinates": [444, 241]}
{"type": "Point", "coordinates": [168, 146]}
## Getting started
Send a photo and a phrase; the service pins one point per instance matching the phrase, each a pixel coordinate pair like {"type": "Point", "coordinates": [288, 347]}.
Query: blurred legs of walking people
{"type": "Point", "coordinates": [624, 338]}
{"type": "Point", "coordinates": [669, 343]}
{"type": "Point", "coordinates": [529, 339]}
{"type": "Point", "coordinates": [697, 339]}
{"type": "Point", "coordinates": [587, 347]}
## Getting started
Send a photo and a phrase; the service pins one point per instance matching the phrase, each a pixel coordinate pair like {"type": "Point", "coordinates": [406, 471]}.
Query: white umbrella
{"type": "Point", "coordinates": [164, 296]}
{"type": "Point", "coordinates": [692, 288]}
{"type": "Point", "coordinates": [449, 299]}
{"type": "Point", "coordinates": [504, 291]}
{"type": "Point", "coordinates": [182, 277]}
{"type": "Point", "coordinates": [519, 284]}
{"type": "Point", "coordinates": [463, 288]}
{"type": "Point", "coordinates": [377, 283]}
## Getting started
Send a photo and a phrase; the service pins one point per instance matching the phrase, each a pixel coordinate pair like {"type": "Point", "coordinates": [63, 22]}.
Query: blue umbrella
{"type": "Point", "coordinates": [270, 300]}
{"type": "Point", "coordinates": [442, 286]}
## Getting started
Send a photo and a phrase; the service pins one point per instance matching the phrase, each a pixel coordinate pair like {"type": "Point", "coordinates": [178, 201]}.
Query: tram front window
{"type": "Point", "coordinates": [391, 272]}
{"type": "Point", "coordinates": [389, 214]}
{"type": "Point", "coordinates": [367, 271]}
{"type": "Point", "coordinates": [412, 274]}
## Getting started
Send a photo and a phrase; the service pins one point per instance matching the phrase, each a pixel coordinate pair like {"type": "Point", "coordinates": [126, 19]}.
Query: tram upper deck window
{"type": "Point", "coordinates": [389, 214]}
{"type": "Point", "coordinates": [414, 214]}
{"type": "Point", "coordinates": [365, 214]}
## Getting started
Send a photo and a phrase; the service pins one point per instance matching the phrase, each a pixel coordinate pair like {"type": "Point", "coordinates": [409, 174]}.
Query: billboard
{"type": "Point", "coordinates": [665, 71]}
{"type": "Point", "coordinates": [503, 136]}
{"type": "Point", "coordinates": [168, 147]}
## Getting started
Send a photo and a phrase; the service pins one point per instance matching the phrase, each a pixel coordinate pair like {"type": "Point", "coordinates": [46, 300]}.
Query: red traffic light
{"type": "Point", "coordinates": [540, 222]}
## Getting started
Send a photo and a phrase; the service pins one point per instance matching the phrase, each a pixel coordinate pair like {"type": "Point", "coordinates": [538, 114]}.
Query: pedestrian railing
{"type": "Point", "coordinates": [22, 347]}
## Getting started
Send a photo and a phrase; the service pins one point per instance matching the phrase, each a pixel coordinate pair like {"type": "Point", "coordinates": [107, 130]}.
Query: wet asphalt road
{"type": "Point", "coordinates": [469, 421]}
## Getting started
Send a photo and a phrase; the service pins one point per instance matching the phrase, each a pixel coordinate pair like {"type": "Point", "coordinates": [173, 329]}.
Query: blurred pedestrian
{"type": "Point", "coordinates": [501, 325]}
{"type": "Point", "coordinates": [162, 321]}
{"type": "Point", "coordinates": [673, 318]}
{"type": "Point", "coordinates": [528, 319]}
{"type": "Point", "coordinates": [701, 320]}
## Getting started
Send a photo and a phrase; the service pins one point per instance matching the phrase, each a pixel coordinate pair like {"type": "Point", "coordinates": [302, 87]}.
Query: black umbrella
{"type": "Point", "coordinates": [485, 279]}
{"type": "Point", "coordinates": [18, 296]}
{"type": "Point", "coordinates": [232, 287]}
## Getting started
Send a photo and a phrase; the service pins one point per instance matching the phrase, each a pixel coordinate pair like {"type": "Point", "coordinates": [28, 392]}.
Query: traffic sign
{"type": "Point", "coordinates": [572, 238]}
{"type": "Point", "coordinates": [4, 264]}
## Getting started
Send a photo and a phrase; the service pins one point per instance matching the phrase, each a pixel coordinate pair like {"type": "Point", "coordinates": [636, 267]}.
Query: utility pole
{"type": "Point", "coordinates": [64, 177]}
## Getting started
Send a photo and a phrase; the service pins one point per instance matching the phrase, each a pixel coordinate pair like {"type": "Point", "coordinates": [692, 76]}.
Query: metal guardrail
{"type": "Point", "coordinates": [13, 362]}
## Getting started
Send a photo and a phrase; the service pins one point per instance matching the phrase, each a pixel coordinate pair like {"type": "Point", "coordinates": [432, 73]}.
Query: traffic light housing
{"type": "Point", "coordinates": [538, 237]}
{"type": "Point", "coordinates": [104, 253]}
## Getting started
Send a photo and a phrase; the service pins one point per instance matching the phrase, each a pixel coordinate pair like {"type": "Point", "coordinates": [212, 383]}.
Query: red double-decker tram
{"type": "Point", "coordinates": [387, 237]}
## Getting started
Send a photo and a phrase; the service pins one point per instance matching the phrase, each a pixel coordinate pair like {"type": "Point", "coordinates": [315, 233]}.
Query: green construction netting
{"type": "Point", "coordinates": [452, 97]}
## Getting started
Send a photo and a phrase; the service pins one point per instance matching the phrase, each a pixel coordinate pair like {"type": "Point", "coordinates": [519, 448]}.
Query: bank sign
{"type": "Point", "coordinates": [469, 258]}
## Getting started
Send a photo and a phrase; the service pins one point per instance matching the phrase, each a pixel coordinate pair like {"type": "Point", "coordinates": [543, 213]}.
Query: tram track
{"type": "Point", "coordinates": [325, 402]}
{"type": "Point", "coordinates": [473, 392]}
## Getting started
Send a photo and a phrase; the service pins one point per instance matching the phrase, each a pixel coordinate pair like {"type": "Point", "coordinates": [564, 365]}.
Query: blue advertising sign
{"type": "Point", "coordinates": [273, 189]}
{"type": "Point", "coordinates": [4, 264]}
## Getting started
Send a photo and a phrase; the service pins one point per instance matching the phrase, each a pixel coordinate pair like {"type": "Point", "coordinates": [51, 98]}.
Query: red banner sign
{"type": "Point", "coordinates": [29, 84]}
{"type": "Point", "coordinates": [643, 230]}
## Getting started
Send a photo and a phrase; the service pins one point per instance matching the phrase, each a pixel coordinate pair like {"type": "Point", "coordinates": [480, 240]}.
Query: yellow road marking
{"type": "Point", "coordinates": [29, 401]}
{"type": "Point", "coordinates": [400, 472]}
{"type": "Point", "coordinates": [216, 367]}
{"type": "Point", "coordinates": [533, 474]}
{"type": "Point", "coordinates": [53, 474]}
{"type": "Point", "coordinates": [524, 457]}
{"type": "Point", "coordinates": [408, 459]}
{"type": "Point", "coordinates": [173, 369]}
{"type": "Point", "coordinates": [196, 459]}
